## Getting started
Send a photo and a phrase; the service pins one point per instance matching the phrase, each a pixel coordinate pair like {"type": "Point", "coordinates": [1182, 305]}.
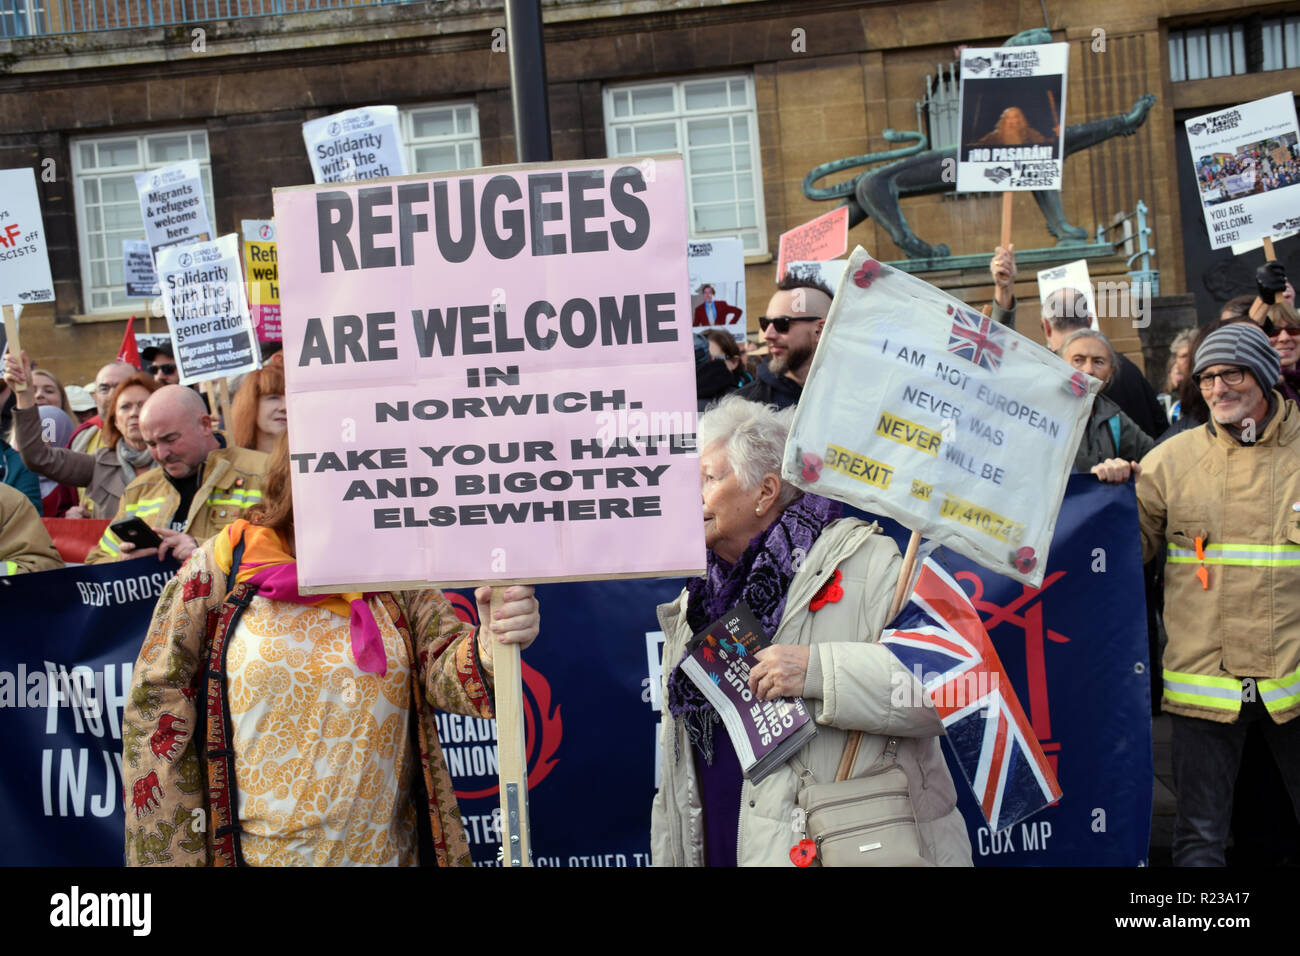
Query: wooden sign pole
{"type": "Point", "coordinates": [1007, 198]}
{"type": "Point", "coordinates": [15, 346]}
{"type": "Point", "coordinates": [900, 595]}
{"type": "Point", "coordinates": [223, 398]}
{"type": "Point", "coordinates": [512, 752]}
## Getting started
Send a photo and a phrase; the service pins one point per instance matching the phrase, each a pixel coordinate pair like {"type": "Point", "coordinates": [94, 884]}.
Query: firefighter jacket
{"type": "Point", "coordinates": [1227, 517]}
{"type": "Point", "coordinates": [230, 483]}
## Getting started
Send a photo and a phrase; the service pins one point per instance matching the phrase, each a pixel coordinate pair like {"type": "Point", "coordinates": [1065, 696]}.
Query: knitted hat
{"type": "Point", "coordinates": [1244, 345]}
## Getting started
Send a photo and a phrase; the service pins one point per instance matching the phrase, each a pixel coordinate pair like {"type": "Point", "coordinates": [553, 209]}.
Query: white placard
{"type": "Point", "coordinates": [1072, 275]}
{"type": "Point", "coordinates": [717, 270]}
{"type": "Point", "coordinates": [137, 267]}
{"type": "Point", "coordinates": [1247, 168]}
{"type": "Point", "coordinates": [920, 408]}
{"type": "Point", "coordinates": [172, 203]}
{"type": "Point", "coordinates": [207, 312]}
{"type": "Point", "coordinates": [24, 263]}
{"type": "Point", "coordinates": [1012, 117]}
{"type": "Point", "coordinates": [356, 144]}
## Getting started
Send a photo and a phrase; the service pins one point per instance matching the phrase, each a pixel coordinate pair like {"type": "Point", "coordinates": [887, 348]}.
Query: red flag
{"type": "Point", "coordinates": [128, 352]}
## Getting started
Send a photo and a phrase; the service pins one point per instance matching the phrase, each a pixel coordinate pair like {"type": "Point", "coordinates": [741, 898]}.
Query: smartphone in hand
{"type": "Point", "coordinates": [137, 532]}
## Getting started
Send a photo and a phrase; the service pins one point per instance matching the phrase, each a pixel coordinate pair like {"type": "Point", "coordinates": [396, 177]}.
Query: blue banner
{"type": "Point", "coordinates": [1074, 649]}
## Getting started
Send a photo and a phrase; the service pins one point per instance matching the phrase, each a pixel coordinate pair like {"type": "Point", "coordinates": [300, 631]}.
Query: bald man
{"type": "Point", "coordinates": [88, 438]}
{"type": "Point", "coordinates": [198, 488]}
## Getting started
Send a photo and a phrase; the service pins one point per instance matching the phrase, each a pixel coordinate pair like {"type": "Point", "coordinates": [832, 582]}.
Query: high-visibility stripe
{"type": "Point", "coordinates": [144, 507]}
{"type": "Point", "coordinates": [1241, 555]}
{"type": "Point", "coordinates": [109, 543]}
{"type": "Point", "coordinates": [1220, 693]}
{"type": "Point", "coordinates": [240, 499]}
{"type": "Point", "coordinates": [10, 567]}
{"type": "Point", "coordinates": [1280, 693]}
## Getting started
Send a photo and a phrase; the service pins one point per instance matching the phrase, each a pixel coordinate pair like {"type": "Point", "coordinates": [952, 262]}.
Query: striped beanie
{"type": "Point", "coordinates": [1244, 345]}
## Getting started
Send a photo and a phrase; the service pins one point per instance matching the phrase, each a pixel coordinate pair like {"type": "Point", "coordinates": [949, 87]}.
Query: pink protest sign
{"type": "Point", "coordinates": [487, 377]}
{"type": "Point", "coordinates": [817, 240]}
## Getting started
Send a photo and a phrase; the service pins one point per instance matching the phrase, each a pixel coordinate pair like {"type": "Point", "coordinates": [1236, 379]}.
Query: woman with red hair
{"type": "Point", "coordinates": [257, 412]}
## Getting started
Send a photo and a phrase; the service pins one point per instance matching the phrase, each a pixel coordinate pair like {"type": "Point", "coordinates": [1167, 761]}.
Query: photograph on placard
{"type": "Point", "coordinates": [1012, 118]}
{"type": "Point", "coordinates": [1247, 165]}
{"type": "Point", "coordinates": [717, 275]}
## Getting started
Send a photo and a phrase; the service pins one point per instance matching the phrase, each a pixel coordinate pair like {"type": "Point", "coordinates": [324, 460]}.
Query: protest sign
{"type": "Point", "coordinates": [919, 408]}
{"type": "Point", "coordinates": [1247, 169]}
{"type": "Point", "coordinates": [356, 144]}
{"type": "Point", "coordinates": [1072, 275]}
{"type": "Point", "coordinates": [488, 378]}
{"type": "Point", "coordinates": [717, 277]}
{"type": "Point", "coordinates": [24, 263]}
{"type": "Point", "coordinates": [137, 264]}
{"type": "Point", "coordinates": [1012, 117]}
{"type": "Point", "coordinates": [263, 270]}
{"type": "Point", "coordinates": [172, 203]}
{"type": "Point", "coordinates": [825, 237]}
{"type": "Point", "coordinates": [203, 295]}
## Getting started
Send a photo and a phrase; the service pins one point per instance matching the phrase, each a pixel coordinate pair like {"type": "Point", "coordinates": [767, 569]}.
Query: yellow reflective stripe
{"type": "Point", "coordinates": [1199, 700]}
{"type": "Point", "coordinates": [11, 567]}
{"type": "Point", "coordinates": [109, 543]}
{"type": "Point", "coordinates": [1280, 693]}
{"type": "Point", "coordinates": [238, 498]}
{"type": "Point", "coordinates": [1240, 555]}
{"type": "Point", "coordinates": [144, 507]}
{"type": "Point", "coordinates": [1201, 680]}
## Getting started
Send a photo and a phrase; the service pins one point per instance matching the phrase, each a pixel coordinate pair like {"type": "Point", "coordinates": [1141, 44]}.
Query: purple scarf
{"type": "Point", "coordinates": [762, 579]}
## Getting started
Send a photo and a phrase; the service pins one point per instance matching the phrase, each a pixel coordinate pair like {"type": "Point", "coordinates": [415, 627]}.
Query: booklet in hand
{"type": "Point", "coordinates": [764, 733]}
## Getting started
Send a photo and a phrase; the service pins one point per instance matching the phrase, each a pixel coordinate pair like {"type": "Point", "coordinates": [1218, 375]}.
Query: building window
{"type": "Point", "coordinates": [1280, 38]}
{"type": "Point", "coordinates": [1228, 49]}
{"type": "Point", "coordinates": [713, 124]}
{"type": "Point", "coordinates": [441, 138]}
{"type": "Point", "coordinates": [22, 18]}
{"type": "Point", "coordinates": [108, 208]}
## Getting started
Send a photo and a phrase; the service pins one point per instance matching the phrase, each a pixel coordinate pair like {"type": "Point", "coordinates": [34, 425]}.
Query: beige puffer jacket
{"type": "Point", "coordinates": [851, 684]}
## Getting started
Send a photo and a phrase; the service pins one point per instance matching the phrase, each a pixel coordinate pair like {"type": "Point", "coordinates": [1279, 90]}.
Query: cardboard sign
{"type": "Point", "coordinates": [1012, 117]}
{"type": "Point", "coordinates": [24, 264]}
{"type": "Point", "coordinates": [137, 266]}
{"type": "Point", "coordinates": [922, 409]}
{"type": "Point", "coordinates": [1247, 169]}
{"type": "Point", "coordinates": [355, 144]}
{"type": "Point", "coordinates": [203, 295]}
{"type": "Point", "coordinates": [172, 203]}
{"type": "Point", "coordinates": [1072, 275]}
{"type": "Point", "coordinates": [825, 237]}
{"type": "Point", "coordinates": [717, 276]}
{"type": "Point", "coordinates": [489, 378]}
{"type": "Point", "coordinates": [263, 271]}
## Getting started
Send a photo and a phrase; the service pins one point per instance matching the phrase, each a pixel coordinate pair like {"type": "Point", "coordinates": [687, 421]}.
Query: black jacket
{"type": "Point", "coordinates": [781, 392]}
{"type": "Point", "coordinates": [1130, 390]}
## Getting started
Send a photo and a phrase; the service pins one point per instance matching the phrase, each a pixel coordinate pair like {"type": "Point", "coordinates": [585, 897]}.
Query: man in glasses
{"type": "Point", "coordinates": [791, 327]}
{"type": "Point", "coordinates": [1223, 501]}
{"type": "Point", "coordinates": [159, 363]}
{"type": "Point", "coordinates": [87, 438]}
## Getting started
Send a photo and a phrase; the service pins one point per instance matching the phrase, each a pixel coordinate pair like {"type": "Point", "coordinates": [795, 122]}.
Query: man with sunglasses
{"type": "Point", "coordinates": [1223, 501]}
{"type": "Point", "coordinates": [159, 363]}
{"type": "Point", "coordinates": [791, 327]}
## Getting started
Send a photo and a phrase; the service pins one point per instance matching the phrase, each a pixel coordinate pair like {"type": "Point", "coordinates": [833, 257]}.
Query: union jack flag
{"type": "Point", "coordinates": [939, 637]}
{"type": "Point", "coordinates": [976, 338]}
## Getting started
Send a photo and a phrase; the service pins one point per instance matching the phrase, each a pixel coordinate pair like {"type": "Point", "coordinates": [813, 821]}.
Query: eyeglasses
{"type": "Point", "coordinates": [1273, 331]}
{"type": "Point", "coordinates": [1231, 378]}
{"type": "Point", "coordinates": [166, 369]}
{"type": "Point", "coordinates": [782, 322]}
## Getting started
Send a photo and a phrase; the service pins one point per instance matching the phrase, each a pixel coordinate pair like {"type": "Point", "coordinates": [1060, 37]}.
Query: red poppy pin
{"type": "Point", "coordinates": [803, 853]}
{"type": "Point", "coordinates": [867, 274]}
{"type": "Point", "coordinates": [1078, 383]}
{"type": "Point", "coordinates": [812, 466]}
{"type": "Point", "coordinates": [830, 592]}
{"type": "Point", "coordinates": [1025, 559]}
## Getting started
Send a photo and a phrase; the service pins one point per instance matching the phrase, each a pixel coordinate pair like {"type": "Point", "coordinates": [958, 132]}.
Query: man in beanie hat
{"type": "Point", "coordinates": [1223, 502]}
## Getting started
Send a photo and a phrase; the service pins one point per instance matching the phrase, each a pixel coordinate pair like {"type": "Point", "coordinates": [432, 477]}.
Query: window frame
{"type": "Point", "coordinates": [406, 120]}
{"type": "Point", "coordinates": [81, 174]}
{"type": "Point", "coordinates": [679, 115]}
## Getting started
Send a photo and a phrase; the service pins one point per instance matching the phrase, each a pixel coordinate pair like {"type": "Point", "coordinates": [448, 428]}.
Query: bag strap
{"type": "Point", "coordinates": [804, 773]}
{"type": "Point", "coordinates": [1113, 422]}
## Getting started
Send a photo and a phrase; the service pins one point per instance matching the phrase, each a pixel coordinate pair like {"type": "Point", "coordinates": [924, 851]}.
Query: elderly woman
{"type": "Point", "coordinates": [1112, 441]}
{"type": "Point", "coordinates": [821, 588]}
{"type": "Point", "coordinates": [320, 747]}
{"type": "Point", "coordinates": [107, 472]}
